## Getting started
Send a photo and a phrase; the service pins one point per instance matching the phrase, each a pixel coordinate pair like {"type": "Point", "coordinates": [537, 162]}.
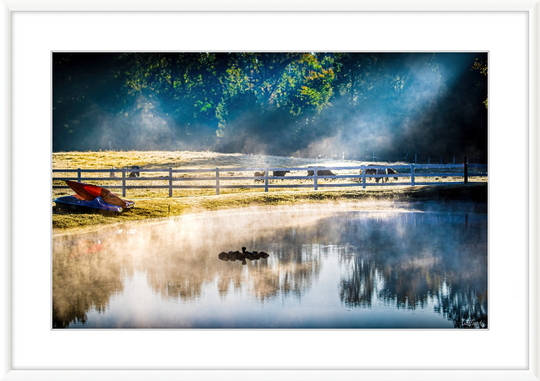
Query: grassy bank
{"type": "Point", "coordinates": [149, 208]}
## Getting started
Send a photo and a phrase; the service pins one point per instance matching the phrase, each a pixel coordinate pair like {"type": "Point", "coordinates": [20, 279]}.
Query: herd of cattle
{"type": "Point", "coordinates": [327, 172]}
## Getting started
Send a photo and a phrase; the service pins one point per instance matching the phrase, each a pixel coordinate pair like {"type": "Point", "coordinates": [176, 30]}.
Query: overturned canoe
{"type": "Point", "coordinates": [76, 203]}
{"type": "Point", "coordinates": [92, 198]}
{"type": "Point", "coordinates": [89, 192]}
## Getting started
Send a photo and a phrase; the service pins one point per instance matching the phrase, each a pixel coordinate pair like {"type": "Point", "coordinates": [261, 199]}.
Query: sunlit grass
{"type": "Point", "coordinates": [206, 160]}
{"type": "Point", "coordinates": [156, 203]}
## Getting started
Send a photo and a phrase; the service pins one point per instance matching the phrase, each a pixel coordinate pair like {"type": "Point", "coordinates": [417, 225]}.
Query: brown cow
{"type": "Point", "coordinates": [375, 171]}
{"type": "Point", "coordinates": [370, 171]}
{"type": "Point", "coordinates": [381, 171]}
{"type": "Point", "coordinates": [259, 174]}
{"type": "Point", "coordinates": [390, 171]}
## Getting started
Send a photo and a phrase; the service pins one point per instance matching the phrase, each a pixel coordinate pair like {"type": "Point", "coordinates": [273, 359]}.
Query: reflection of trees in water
{"type": "Point", "coordinates": [178, 265]}
{"type": "Point", "coordinates": [187, 265]}
{"type": "Point", "coordinates": [447, 268]}
{"type": "Point", "coordinates": [466, 308]}
{"type": "Point", "coordinates": [398, 259]}
{"type": "Point", "coordinates": [86, 273]}
{"type": "Point", "coordinates": [358, 289]}
{"type": "Point", "coordinates": [298, 265]}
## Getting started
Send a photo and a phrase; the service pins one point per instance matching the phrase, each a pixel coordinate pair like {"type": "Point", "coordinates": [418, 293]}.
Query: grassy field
{"type": "Point", "coordinates": [155, 203]}
{"type": "Point", "coordinates": [206, 160]}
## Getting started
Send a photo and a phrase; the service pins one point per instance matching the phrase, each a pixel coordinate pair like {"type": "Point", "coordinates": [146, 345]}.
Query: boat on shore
{"type": "Point", "coordinates": [92, 198]}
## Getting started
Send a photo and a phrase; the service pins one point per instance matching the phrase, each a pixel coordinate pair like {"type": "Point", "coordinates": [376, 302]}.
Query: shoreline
{"type": "Point", "coordinates": [160, 209]}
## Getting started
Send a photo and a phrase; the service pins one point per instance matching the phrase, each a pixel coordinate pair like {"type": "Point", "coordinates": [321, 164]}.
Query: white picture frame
{"type": "Point", "coordinates": [531, 7]}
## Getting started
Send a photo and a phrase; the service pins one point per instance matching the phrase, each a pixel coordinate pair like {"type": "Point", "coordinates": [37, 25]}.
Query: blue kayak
{"type": "Point", "coordinates": [96, 205]}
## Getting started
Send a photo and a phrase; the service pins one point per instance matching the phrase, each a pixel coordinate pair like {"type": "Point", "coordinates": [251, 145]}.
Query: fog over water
{"type": "Point", "coordinates": [398, 266]}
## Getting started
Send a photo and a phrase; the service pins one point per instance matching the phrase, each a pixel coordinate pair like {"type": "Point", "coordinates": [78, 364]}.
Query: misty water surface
{"type": "Point", "coordinates": [407, 267]}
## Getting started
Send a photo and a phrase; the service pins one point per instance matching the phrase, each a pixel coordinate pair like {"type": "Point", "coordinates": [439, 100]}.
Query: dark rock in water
{"type": "Point", "coordinates": [255, 252]}
{"type": "Point", "coordinates": [263, 254]}
{"type": "Point", "coordinates": [223, 256]}
{"type": "Point", "coordinates": [244, 262]}
{"type": "Point", "coordinates": [256, 255]}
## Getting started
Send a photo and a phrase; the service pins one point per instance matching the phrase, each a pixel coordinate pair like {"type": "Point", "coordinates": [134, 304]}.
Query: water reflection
{"type": "Point", "coordinates": [415, 260]}
{"type": "Point", "coordinates": [324, 269]}
{"type": "Point", "coordinates": [86, 273]}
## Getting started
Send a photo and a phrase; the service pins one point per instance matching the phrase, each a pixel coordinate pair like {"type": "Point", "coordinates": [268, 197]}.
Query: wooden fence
{"type": "Point", "coordinates": [219, 174]}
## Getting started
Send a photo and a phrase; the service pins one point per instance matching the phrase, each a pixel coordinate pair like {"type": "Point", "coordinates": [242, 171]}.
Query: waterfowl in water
{"type": "Point", "coordinates": [242, 256]}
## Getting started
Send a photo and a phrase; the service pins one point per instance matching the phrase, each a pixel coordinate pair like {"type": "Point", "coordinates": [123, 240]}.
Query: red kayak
{"type": "Point", "coordinates": [90, 192]}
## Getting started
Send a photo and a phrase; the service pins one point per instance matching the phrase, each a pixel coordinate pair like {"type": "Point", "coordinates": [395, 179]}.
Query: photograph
{"type": "Point", "coordinates": [270, 190]}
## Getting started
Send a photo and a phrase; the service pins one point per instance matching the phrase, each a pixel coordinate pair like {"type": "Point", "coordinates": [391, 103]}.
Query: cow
{"type": "Point", "coordinates": [135, 174]}
{"type": "Point", "coordinates": [390, 171]}
{"type": "Point", "coordinates": [259, 174]}
{"type": "Point", "coordinates": [375, 171]}
{"type": "Point", "coordinates": [279, 173]}
{"type": "Point", "coordinates": [321, 172]}
{"type": "Point", "coordinates": [371, 171]}
{"type": "Point", "coordinates": [380, 171]}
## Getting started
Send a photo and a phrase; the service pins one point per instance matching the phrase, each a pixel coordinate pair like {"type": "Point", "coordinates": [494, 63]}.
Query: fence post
{"type": "Point", "coordinates": [266, 179]}
{"type": "Point", "coordinates": [217, 180]}
{"type": "Point", "coordinates": [315, 177]}
{"type": "Point", "coordinates": [412, 175]}
{"type": "Point", "coordinates": [364, 176]}
{"type": "Point", "coordinates": [123, 182]}
{"type": "Point", "coordinates": [78, 174]}
{"type": "Point", "coordinates": [466, 169]}
{"type": "Point", "coordinates": [170, 182]}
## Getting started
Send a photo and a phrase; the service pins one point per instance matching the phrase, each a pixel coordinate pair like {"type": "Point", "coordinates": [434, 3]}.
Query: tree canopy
{"type": "Point", "coordinates": [303, 104]}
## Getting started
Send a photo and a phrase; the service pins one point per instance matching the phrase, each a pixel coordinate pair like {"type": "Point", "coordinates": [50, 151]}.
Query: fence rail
{"type": "Point", "coordinates": [220, 174]}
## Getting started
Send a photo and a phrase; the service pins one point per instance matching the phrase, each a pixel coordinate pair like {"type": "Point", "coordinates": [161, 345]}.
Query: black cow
{"type": "Point", "coordinates": [279, 173]}
{"type": "Point", "coordinates": [135, 174]}
{"type": "Point", "coordinates": [321, 172]}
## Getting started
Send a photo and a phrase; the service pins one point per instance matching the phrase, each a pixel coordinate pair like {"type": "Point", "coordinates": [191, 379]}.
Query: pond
{"type": "Point", "coordinates": [408, 266]}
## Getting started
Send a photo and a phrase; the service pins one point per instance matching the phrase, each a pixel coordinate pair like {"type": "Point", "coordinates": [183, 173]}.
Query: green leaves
{"type": "Point", "coordinates": [482, 66]}
{"type": "Point", "coordinates": [240, 101]}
